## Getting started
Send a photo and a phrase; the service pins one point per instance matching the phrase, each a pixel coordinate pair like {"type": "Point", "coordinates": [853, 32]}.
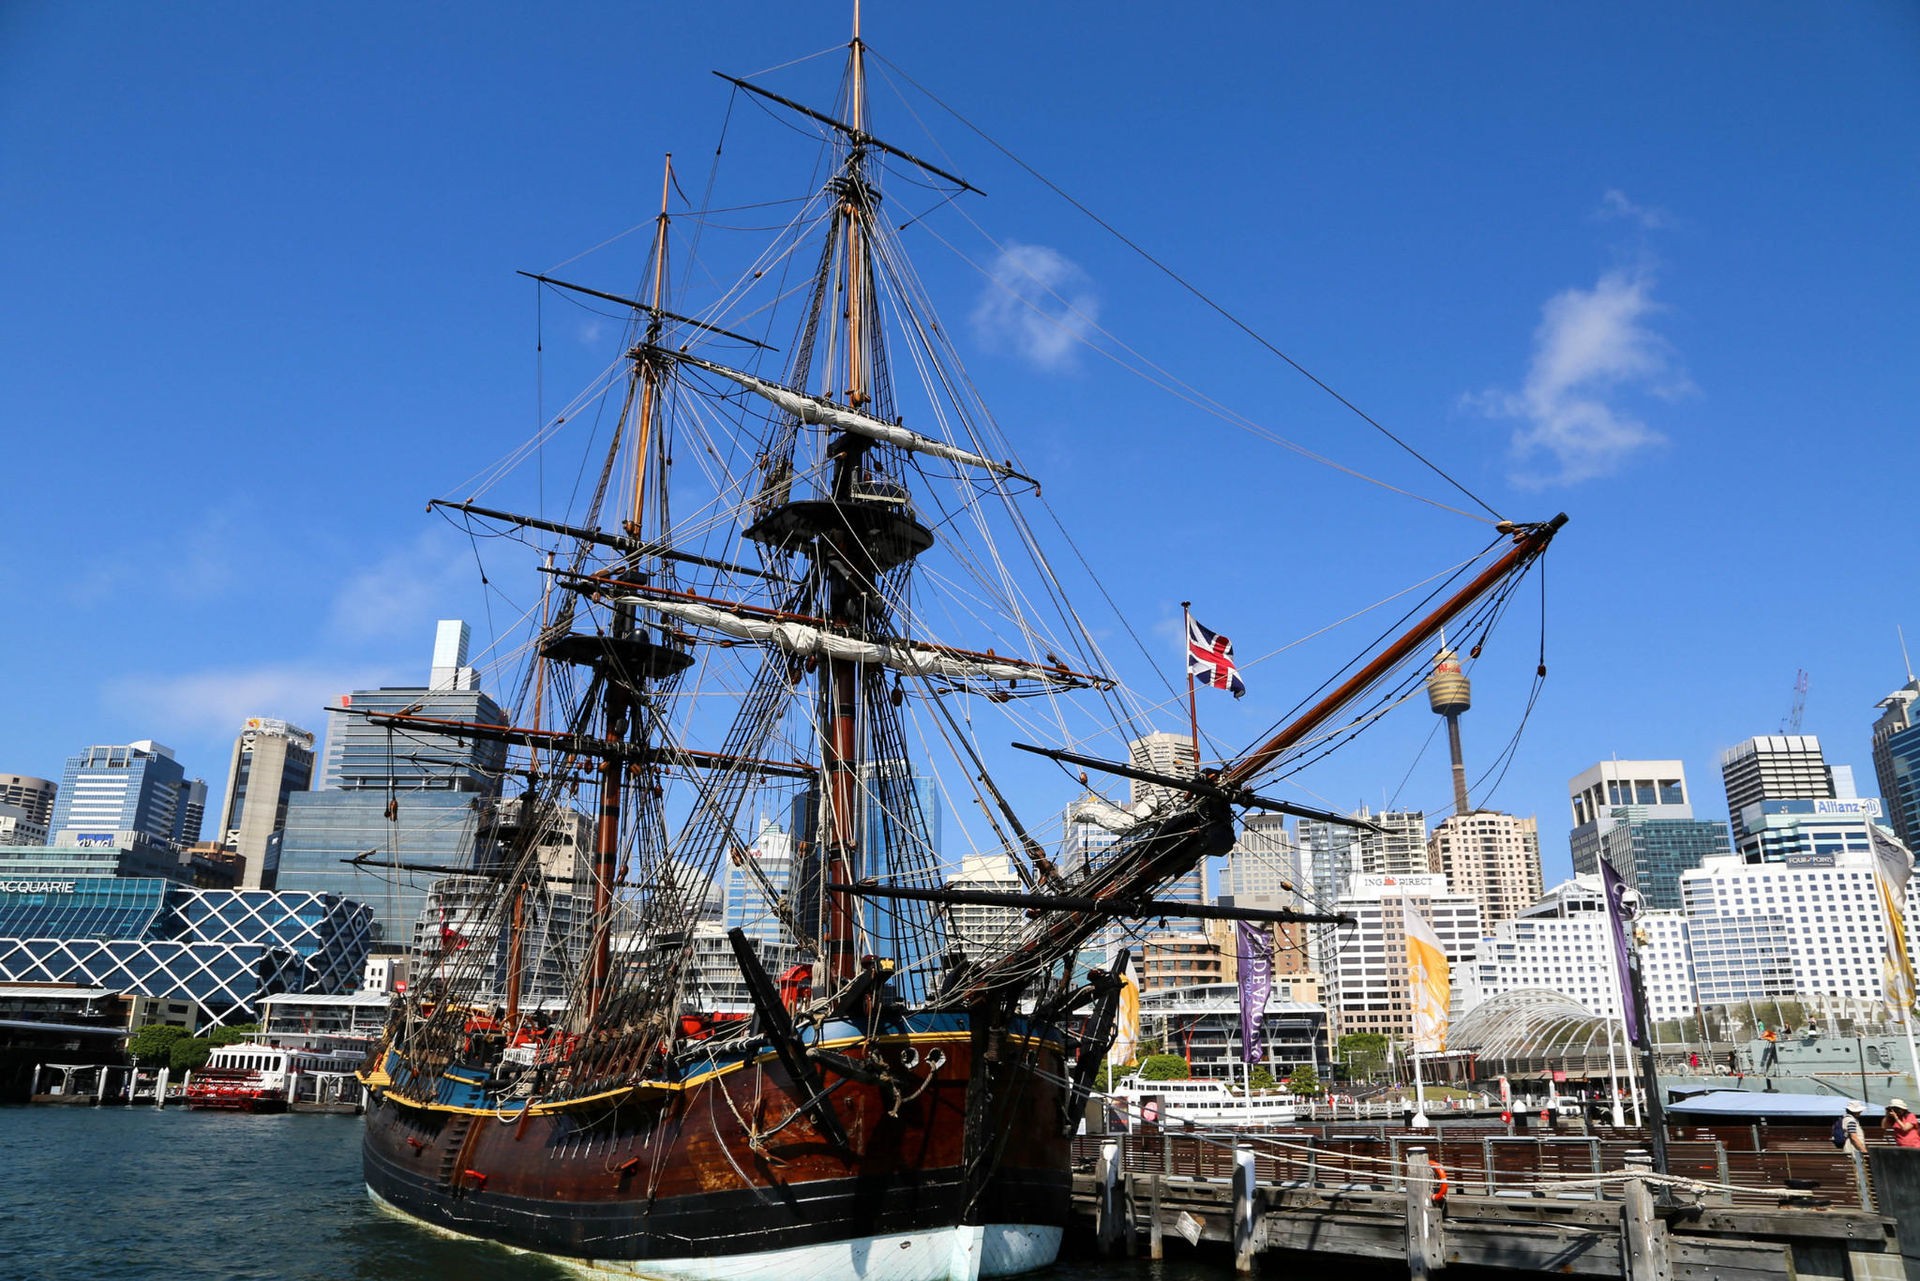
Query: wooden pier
{"type": "Point", "coordinates": [1587, 1207]}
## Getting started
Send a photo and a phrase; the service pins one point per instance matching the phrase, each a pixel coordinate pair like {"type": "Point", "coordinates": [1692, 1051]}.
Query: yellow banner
{"type": "Point", "coordinates": [1126, 1023]}
{"type": "Point", "coordinates": [1429, 982]}
{"type": "Point", "coordinates": [1892, 866]}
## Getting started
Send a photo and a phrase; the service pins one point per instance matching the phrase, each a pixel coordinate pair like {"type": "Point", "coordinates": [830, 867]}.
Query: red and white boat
{"type": "Point", "coordinates": [250, 1077]}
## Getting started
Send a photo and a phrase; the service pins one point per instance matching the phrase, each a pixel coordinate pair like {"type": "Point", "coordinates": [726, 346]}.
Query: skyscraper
{"type": "Point", "coordinates": [193, 809]}
{"type": "Point", "coordinates": [402, 794]}
{"type": "Point", "coordinates": [1368, 973]}
{"type": "Point", "coordinates": [34, 795]}
{"type": "Point", "coordinates": [1263, 871]}
{"type": "Point", "coordinates": [271, 761]}
{"type": "Point", "coordinates": [1657, 788]}
{"type": "Point", "coordinates": [1171, 755]}
{"type": "Point", "coordinates": [108, 789]}
{"type": "Point", "coordinates": [1896, 760]}
{"type": "Point", "coordinates": [1493, 857]}
{"type": "Point", "coordinates": [757, 881]}
{"type": "Point", "coordinates": [1773, 767]}
{"type": "Point", "coordinates": [1401, 850]}
{"type": "Point", "coordinates": [1638, 816]}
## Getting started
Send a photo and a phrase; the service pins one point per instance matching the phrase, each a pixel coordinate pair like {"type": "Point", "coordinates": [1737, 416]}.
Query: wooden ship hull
{"type": "Point", "coordinates": [718, 1175]}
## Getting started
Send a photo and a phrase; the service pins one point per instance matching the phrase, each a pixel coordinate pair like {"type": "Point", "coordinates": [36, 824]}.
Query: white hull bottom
{"type": "Point", "coordinates": [965, 1253]}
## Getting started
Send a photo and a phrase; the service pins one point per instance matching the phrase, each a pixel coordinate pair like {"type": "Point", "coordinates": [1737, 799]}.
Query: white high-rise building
{"type": "Point", "coordinates": [1779, 929]}
{"type": "Point", "coordinates": [1564, 943]}
{"type": "Point", "coordinates": [983, 931]}
{"type": "Point", "coordinates": [450, 670]}
{"type": "Point", "coordinates": [1171, 755]}
{"type": "Point", "coordinates": [1367, 974]}
{"type": "Point", "coordinates": [1494, 857]}
{"type": "Point", "coordinates": [1159, 753]}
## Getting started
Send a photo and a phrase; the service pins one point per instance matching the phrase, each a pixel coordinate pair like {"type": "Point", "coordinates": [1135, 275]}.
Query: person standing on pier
{"type": "Point", "coordinates": [1848, 1128]}
{"type": "Point", "coordinates": [1902, 1124]}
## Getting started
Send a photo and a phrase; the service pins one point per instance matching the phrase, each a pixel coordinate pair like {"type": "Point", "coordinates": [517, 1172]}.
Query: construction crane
{"type": "Point", "coordinates": [1791, 725]}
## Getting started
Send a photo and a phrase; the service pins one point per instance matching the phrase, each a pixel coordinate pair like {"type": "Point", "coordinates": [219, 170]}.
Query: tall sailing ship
{"type": "Point", "coordinates": [847, 581]}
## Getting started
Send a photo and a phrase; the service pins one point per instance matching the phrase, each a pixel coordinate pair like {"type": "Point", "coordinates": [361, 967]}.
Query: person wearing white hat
{"type": "Point", "coordinates": [1847, 1132]}
{"type": "Point", "coordinates": [1902, 1124]}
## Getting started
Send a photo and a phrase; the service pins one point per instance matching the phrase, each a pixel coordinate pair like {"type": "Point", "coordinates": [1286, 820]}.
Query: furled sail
{"type": "Point", "coordinates": [804, 640]}
{"type": "Point", "coordinates": [825, 413]}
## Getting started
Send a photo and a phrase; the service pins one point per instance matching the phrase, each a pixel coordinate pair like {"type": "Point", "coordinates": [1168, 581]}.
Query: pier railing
{"type": "Point", "coordinates": [1807, 1173]}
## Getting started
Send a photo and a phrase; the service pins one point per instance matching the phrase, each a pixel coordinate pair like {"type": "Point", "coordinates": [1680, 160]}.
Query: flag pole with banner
{"type": "Point", "coordinates": [1892, 869]}
{"type": "Point", "coordinates": [1209, 657]}
{"type": "Point", "coordinates": [1255, 963]}
{"type": "Point", "coordinates": [1616, 888]}
{"type": "Point", "coordinates": [1430, 987]}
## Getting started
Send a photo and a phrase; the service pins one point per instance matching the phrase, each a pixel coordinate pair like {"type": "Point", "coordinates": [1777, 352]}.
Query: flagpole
{"type": "Point", "coordinates": [1892, 919]}
{"type": "Point", "coordinates": [1613, 1079]}
{"type": "Point", "coordinates": [1193, 708]}
{"type": "Point", "coordinates": [1419, 1121]}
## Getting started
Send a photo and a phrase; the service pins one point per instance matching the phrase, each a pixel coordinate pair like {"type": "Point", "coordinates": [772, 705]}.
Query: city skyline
{"type": "Point", "coordinates": [323, 291]}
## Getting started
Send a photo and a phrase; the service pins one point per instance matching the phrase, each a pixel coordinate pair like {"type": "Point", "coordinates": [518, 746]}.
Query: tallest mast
{"type": "Point", "coordinates": [840, 685]}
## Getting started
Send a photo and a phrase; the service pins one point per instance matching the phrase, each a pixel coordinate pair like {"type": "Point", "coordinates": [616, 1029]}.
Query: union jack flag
{"type": "Point", "coordinates": [1210, 658]}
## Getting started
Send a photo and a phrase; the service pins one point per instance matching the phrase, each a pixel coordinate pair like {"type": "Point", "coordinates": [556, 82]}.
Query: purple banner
{"type": "Point", "coordinates": [1617, 922]}
{"type": "Point", "coordinates": [1255, 955]}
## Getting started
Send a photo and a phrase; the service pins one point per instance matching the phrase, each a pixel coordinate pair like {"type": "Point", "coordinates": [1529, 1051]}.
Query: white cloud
{"type": "Point", "coordinates": [401, 595]}
{"type": "Point", "coordinates": [1038, 304]}
{"type": "Point", "coordinates": [1614, 204]}
{"type": "Point", "coordinates": [213, 703]}
{"type": "Point", "coordinates": [1594, 350]}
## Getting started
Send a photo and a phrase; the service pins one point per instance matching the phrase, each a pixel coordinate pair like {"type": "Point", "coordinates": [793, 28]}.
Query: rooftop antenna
{"type": "Point", "coordinates": [1901, 633]}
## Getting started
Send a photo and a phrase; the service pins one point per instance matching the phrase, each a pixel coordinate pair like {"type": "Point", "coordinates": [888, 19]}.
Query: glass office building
{"type": "Point", "coordinates": [131, 787]}
{"type": "Point", "coordinates": [435, 828]}
{"type": "Point", "coordinates": [221, 949]}
{"type": "Point", "coordinates": [1651, 853]}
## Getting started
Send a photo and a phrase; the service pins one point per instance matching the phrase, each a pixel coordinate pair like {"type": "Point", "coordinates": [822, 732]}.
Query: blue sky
{"type": "Point", "coordinates": [1655, 267]}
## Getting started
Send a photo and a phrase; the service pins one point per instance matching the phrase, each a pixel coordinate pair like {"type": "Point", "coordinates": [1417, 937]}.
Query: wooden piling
{"type": "Point", "coordinates": [1155, 1248]}
{"type": "Point", "coordinates": [1110, 1220]}
{"type": "Point", "coordinates": [1646, 1236]}
{"type": "Point", "coordinates": [1246, 1209]}
{"type": "Point", "coordinates": [1426, 1253]}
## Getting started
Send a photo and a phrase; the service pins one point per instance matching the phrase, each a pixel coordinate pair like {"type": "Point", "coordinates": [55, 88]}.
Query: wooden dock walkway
{"type": "Point", "coordinates": [1579, 1206]}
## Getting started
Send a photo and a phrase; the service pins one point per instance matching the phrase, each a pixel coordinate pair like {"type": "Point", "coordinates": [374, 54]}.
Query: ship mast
{"type": "Point", "coordinates": [840, 685]}
{"type": "Point", "coordinates": [618, 701]}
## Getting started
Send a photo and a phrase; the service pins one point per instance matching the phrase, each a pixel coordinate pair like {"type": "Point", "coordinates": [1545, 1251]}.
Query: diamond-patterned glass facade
{"type": "Point", "coordinates": [224, 949]}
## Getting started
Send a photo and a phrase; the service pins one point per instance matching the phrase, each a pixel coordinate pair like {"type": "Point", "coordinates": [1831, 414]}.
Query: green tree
{"type": "Point", "coordinates": [1305, 1082]}
{"type": "Point", "coordinates": [1163, 1067]}
{"type": "Point", "coordinates": [232, 1035]}
{"type": "Point", "coordinates": [1260, 1078]}
{"type": "Point", "coordinates": [189, 1053]}
{"type": "Point", "coordinates": [154, 1042]}
{"type": "Point", "coordinates": [1365, 1054]}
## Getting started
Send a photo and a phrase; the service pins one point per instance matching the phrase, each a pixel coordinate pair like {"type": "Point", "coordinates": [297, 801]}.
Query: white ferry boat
{"type": "Point", "coordinates": [252, 1077]}
{"type": "Point", "coordinates": [1196, 1104]}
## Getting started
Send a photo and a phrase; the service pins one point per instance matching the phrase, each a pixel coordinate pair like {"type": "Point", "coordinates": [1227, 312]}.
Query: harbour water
{"type": "Point", "coordinates": [144, 1195]}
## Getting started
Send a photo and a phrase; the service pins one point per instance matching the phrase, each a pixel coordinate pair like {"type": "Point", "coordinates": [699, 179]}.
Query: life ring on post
{"type": "Point", "coordinates": [1439, 1185]}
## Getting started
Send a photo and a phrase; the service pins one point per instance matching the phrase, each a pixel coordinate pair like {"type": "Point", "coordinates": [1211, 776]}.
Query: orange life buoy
{"type": "Point", "coordinates": [1439, 1186]}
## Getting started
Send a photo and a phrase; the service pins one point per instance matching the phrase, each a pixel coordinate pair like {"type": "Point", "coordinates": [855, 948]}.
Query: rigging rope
{"type": "Point", "coordinates": [1193, 289]}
